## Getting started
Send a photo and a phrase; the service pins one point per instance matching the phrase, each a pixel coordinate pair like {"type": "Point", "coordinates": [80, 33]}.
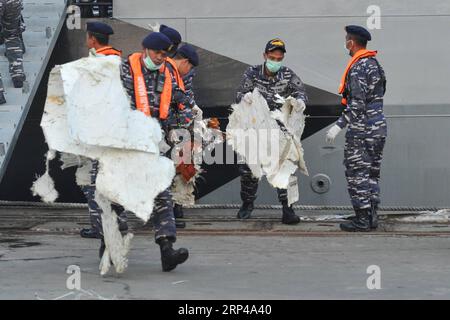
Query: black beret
{"type": "Point", "coordinates": [99, 27]}
{"type": "Point", "coordinates": [187, 51]}
{"type": "Point", "coordinates": [275, 44]}
{"type": "Point", "coordinates": [171, 33]}
{"type": "Point", "coordinates": [359, 31]}
{"type": "Point", "coordinates": [157, 41]}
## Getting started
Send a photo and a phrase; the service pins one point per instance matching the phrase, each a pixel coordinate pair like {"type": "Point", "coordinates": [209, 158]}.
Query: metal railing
{"type": "Point", "coordinates": [94, 8]}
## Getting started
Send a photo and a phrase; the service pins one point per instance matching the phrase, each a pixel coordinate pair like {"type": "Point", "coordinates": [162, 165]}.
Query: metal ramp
{"type": "Point", "coordinates": [44, 20]}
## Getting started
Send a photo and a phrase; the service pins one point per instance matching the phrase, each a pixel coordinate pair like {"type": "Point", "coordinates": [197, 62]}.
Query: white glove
{"type": "Point", "coordinates": [197, 112]}
{"type": "Point", "coordinates": [154, 27]}
{"type": "Point", "coordinates": [332, 133]}
{"type": "Point", "coordinates": [280, 99]}
{"type": "Point", "coordinates": [248, 98]}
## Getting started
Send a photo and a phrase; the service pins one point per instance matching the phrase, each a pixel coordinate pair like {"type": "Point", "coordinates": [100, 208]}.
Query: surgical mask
{"type": "Point", "coordinates": [345, 46]}
{"type": "Point", "coordinates": [273, 66]}
{"type": "Point", "coordinates": [150, 65]}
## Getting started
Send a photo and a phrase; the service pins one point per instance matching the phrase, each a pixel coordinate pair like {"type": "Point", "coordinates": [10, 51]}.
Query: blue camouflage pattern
{"type": "Point", "coordinates": [162, 217]}
{"type": "Point", "coordinates": [285, 83]}
{"type": "Point", "coordinates": [366, 133]}
{"type": "Point", "coordinates": [12, 26]}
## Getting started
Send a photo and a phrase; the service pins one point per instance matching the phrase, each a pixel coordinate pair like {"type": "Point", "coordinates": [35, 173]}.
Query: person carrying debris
{"type": "Point", "coordinates": [363, 86]}
{"type": "Point", "coordinates": [272, 79]}
{"type": "Point", "coordinates": [97, 41]}
{"type": "Point", "coordinates": [10, 20]}
{"type": "Point", "coordinates": [187, 78]}
{"type": "Point", "coordinates": [187, 59]}
{"type": "Point", "coordinates": [182, 63]}
{"type": "Point", "coordinates": [150, 85]}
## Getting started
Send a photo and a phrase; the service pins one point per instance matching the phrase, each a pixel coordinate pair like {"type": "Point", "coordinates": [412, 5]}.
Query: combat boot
{"type": "Point", "coordinates": [289, 216]}
{"type": "Point", "coordinates": [178, 211]}
{"type": "Point", "coordinates": [123, 226]}
{"type": "Point", "coordinates": [90, 233]}
{"type": "Point", "coordinates": [246, 209]}
{"type": "Point", "coordinates": [374, 216]}
{"type": "Point", "coordinates": [2, 98]}
{"type": "Point", "coordinates": [170, 258]}
{"type": "Point", "coordinates": [101, 251]}
{"type": "Point", "coordinates": [361, 223]}
{"type": "Point", "coordinates": [180, 224]}
{"type": "Point", "coordinates": [18, 83]}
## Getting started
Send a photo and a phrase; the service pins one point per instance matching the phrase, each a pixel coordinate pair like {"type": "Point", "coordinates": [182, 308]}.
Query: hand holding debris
{"type": "Point", "coordinates": [248, 98]}
{"type": "Point", "coordinates": [280, 99]}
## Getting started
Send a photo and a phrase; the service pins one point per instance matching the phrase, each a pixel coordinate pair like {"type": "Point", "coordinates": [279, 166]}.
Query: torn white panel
{"type": "Point", "coordinates": [71, 160]}
{"type": "Point", "coordinates": [113, 125]}
{"type": "Point", "coordinates": [83, 173]}
{"type": "Point", "coordinates": [87, 113]}
{"type": "Point", "coordinates": [255, 135]}
{"type": "Point", "coordinates": [117, 247]}
{"type": "Point", "coordinates": [44, 186]}
{"type": "Point", "coordinates": [182, 191]}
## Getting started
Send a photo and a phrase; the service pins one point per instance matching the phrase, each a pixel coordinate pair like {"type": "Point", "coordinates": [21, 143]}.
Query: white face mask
{"type": "Point", "coordinates": [345, 46]}
{"type": "Point", "coordinates": [149, 64]}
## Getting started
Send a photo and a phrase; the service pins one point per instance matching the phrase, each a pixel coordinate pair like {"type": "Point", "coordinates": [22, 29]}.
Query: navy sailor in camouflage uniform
{"type": "Point", "coordinates": [11, 29]}
{"type": "Point", "coordinates": [97, 41]}
{"type": "Point", "coordinates": [164, 106]}
{"type": "Point", "coordinates": [363, 86]}
{"type": "Point", "coordinates": [175, 37]}
{"type": "Point", "coordinates": [270, 78]}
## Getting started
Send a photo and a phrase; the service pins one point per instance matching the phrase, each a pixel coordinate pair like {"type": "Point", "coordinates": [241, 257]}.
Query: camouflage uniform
{"type": "Point", "coordinates": [285, 83]}
{"type": "Point", "coordinates": [95, 212]}
{"type": "Point", "coordinates": [162, 217]}
{"type": "Point", "coordinates": [366, 133]}
{"type": "Point", "coordinates": [12, 26]}
{"type": "Point", "coordinates": [188, 87]}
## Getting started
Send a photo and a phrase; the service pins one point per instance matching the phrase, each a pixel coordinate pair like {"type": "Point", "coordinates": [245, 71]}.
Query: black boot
{"type": "Point", "coordinates": [289, 216]}
{"type": "Point", "coordinates": [17, 82]}
{"type": "Point", "coordinates": [123, 226]}
{"type": "Point", "coordinates": [245, 211]}
{"type": "Point", "coordinates": [361, 223]}
{"type": "Point", "coordinates": [90, 233]}
{"type": "Point", "coordinates": [170, 258]}
{"type": "Point", "coordinates": [374, 216]}
{"type": "Point", "coordinates": [180, 224]}
{"type": "Point", "coordinates": [178, 211]}
{"type": "Point", "coordinates": [101, 251]}
{"type": "Point", "coordinates": [2, 98]}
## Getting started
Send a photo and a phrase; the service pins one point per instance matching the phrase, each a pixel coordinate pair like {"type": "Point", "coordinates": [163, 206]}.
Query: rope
{"type": "Point", "coordinates": [57, 205]}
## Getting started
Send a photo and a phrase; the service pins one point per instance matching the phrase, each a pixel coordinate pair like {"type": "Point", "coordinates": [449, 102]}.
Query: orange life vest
{"type": "Point", "coordinates": [178, 78]}
{"type": "Point", "coordinates": [140, 88]}
{"type": "Point", "coordinates": [109, 51]}
{"type": "Point", "coordinates": [357, 56]}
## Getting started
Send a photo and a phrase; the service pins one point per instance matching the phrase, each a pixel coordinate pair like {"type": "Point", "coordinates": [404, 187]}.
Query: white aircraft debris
{"type": "Point", "coordinates": [87, 115]}
{"type": "Point", "coordinates": [269, 150]}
